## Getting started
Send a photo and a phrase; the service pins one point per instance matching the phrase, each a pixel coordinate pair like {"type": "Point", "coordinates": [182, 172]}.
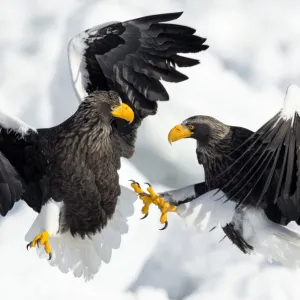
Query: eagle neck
{"type": "Point", "coordinates": [214, 157]}
{"type": "Point", "coordinates": [85, 133]}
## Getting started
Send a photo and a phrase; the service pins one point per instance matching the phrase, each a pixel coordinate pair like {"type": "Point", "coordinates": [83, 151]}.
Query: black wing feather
{"type": "Point", "coordinates": [270, 173]}
{"type": "Point", "coordinates": [22, 170]}
{"type": "Point", "coordinates": [142, 55]}
{"type": "Point", "coordinates": [11, 187]}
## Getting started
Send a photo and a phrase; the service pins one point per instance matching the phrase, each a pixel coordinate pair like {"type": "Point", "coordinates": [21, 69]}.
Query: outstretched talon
{"type": "Point", "coordinates": [41, 239]}
{"type": "Point", "coordinates": [152, 197]}
{"type": "Point", "coordinates": [146, 198]}
{"type": "Point", "coordinates": [163, 206]}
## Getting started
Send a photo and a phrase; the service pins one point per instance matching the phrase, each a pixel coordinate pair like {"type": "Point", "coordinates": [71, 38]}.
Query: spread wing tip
{"type": "Point", "coordinates": [291, 102]}
{"type": "Point", "coordinates": [271, 161]}
{"type": "Point", "coordinates": [156, 18]}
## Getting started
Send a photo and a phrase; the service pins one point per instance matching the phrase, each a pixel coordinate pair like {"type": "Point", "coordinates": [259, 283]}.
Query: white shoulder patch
{"type": "Point", "coordinates": [13, 123]}
{"type": "Point", "coordinates": [83, 257]}
{"type": "Point", "coordinates": [77, 64]}
{"type": "Point", "coordinates": [207, 211]}
{"type": "Point", "coordinates": [291, 102]}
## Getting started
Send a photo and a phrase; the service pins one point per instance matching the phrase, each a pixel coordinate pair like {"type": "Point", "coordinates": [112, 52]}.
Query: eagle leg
{"type": "Point", "coordinates": [41, 239]}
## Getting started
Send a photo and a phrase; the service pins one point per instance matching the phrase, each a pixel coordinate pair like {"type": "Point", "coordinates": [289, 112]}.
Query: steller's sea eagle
{"type": "Point", "coordinates": [252, 182]}
{"type": "Point", "coordinates": [69, 173]}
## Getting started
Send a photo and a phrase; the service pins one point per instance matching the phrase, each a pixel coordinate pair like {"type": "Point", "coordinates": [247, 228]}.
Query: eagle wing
{"type": "Point", "coordinates": [20, 171]}
{"type": "Point", "coordinates": [271, 162]}
{"type": "Point", "coordinates": [131, 58]}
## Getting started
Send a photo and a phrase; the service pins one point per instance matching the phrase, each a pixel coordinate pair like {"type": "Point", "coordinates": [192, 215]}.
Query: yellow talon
{"type": "Point", "coordinates": [136, 187]}
{"type": "Point", "coordinates": [151, 192]}
{"type": "Point", "coordinates": [41, 239]}
{"type": "Point", "coordinates": [152, 197]}
{"type": "Point", "coordinates": [165, 208]}
{"type": "Point", "coordinates": [147, 200]}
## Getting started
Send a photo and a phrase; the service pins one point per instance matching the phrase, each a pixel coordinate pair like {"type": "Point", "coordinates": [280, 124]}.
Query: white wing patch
{"type": "Point", "coordinates": [13, 123]}
{"type": "Point", "coordinates": [207, 211]}
{"type": "Point", "coordinates": [291, 102]}
{"type": "Point", "coordinates": [83, 257]}
{"type": "Point", "coordinates": [77, 64]}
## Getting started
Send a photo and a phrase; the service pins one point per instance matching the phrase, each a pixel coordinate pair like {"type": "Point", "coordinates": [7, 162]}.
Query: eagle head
{"type": "Point", "coordinates": [110, 104]}
{"type": "Point", "coordinates": [205, 130]}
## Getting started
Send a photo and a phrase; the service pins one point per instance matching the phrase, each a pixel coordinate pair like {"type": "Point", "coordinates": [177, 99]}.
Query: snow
{"type": "Point", "coordinates": [242, 80]}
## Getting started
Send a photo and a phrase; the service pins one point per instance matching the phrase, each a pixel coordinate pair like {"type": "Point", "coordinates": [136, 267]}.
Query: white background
{"type": "Point", "coordinates": [254, 55]}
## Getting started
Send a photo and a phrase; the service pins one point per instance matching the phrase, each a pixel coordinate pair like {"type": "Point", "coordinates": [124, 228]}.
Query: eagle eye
{"type": "Point", "coordinates": [191, 127]}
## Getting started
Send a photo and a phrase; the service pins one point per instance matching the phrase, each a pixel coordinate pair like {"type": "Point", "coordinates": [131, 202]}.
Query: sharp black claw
{"type": "Point", "coordinates": [38, 243]}
{"type": "Point", "coordinates": [28, 246]}
{"type": "Point", "coordinates": [134, 182]}
{"type": "Point", "coordinates": [148, 184]}
{"type": "Point", "coordinates": [165, 226]}
{"type": "Point", "coordinates": [145, 216]}
{"type": "Point", "coordinates": [50, 256]}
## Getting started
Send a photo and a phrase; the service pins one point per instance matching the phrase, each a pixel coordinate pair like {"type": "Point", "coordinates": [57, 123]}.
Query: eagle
{"type": "Point", "coordinates": [68, 173]}
{"type": "Point", "coordinates": [252, 182]}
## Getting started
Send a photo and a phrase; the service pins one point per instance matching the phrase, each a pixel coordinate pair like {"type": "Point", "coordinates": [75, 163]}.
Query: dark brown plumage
{"type": "Point", "coordinates": [84, 156]}
{"type": "Point", "coordinates": [75, 162]}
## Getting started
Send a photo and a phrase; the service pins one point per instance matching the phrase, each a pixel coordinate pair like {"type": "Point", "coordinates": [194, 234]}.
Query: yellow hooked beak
{"type": "Point", "coordinates": [123, 111]}
{"type": "Point", "coordinates": [179, 132]}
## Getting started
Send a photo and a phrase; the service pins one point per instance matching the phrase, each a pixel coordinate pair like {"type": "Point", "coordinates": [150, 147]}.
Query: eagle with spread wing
{"type": "Point", "coordinates": [69, 173]}
{"type": "Point", "coordinates": [252, 182]}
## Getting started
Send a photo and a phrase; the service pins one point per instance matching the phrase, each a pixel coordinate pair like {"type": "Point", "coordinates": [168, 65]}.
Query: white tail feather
{"type": "Point", "coordinates": [83, 257]}
{"type": "Point", "coordinates": [276, 242]}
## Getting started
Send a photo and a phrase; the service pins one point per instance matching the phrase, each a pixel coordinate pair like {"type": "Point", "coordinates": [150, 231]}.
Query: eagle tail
{"type": "Point", "coordinates": [274, 241]}
{"type": "Point", "coordinates": [84, 257]}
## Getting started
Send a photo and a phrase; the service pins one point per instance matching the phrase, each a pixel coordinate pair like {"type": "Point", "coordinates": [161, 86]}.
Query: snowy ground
{"type": "Point", "coordinates": [254, 56]}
